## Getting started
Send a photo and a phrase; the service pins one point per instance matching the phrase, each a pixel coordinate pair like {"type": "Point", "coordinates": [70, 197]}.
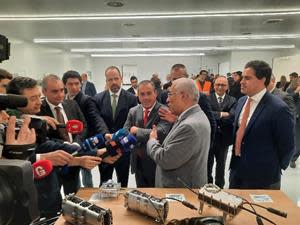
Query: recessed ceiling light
{"type": "Point", "coordinates": [115, 3]}
{"type": "Point", "coordinates": [211, 48]}
{"type": "Point", "coordinates": [246, 33]}
{"type": "Point", "coordinates": [150, 15]}
{"type": "Point", "coordinates": [147, 55]}
{"type": "Point", "coordinates": [166, 39]}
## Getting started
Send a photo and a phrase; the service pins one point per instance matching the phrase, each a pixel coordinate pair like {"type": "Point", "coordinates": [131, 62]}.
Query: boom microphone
{"type": "Point", "coordinates": [41, 169]}
{"type": "Point", "coordinates": [72, 126]}
{"type": "Point", "coordinates": [12, 101]}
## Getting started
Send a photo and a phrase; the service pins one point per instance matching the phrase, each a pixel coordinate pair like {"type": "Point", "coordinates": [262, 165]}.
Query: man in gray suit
{"type": "Point", "coordinates": [184, 152]}
{"type": "Point", "coordinates": [139, 122]}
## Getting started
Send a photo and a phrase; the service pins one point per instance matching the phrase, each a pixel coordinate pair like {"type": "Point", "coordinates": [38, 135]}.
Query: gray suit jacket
{"type": "Point", "coordinates": [184, 152]}
{"type": "Point", "coordinates": [135, 118]}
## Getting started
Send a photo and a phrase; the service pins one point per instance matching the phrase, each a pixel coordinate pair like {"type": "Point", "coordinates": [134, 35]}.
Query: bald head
{"type": "Point", "coordinates": [188, 87]}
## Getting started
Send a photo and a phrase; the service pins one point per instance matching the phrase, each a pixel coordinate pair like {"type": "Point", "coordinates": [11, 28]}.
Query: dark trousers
{"type": "Point", "coordinates": [145, 172]}
{"type": "Point", "coordinates": [218, 152]}
{"type": "Point", "coordinates": [122, 170]}
{"type": "Point", "coordinates": [236, 182]}
{"type": "Point", "coordinates": [297, 141]}
{"type": "Point", "coordinates": [49, 197]}
{"type": "Point", "coordinates": [70, 180]}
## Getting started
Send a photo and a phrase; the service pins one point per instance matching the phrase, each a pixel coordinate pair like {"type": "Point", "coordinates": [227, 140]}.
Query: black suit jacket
{"type": "Point", "coordinates": [131, 90]}
{"type": "Point", "coordinates": [225, 124]}
{"type": "Point", "coordinates": [95, 122]}
{"type": "Point", "coordinates": [72, 111]}
{"type": "Point", "coordinates": [90, 89]}
{"type": "Point", "coordinates": [126, 101]}
{"type": "Point", "coordinates": [205, 106]}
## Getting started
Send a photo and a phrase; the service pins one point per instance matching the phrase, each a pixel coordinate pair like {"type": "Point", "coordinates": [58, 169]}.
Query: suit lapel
{"type": "Point", "coordinates": [238, 112]}
{"type": "Point", "coordinates": [257, 111]}
{"type": "Point", "coordinates": [121, 103]}
{"type": "Point", "coordinates": [107, 104]}
{"type": "Point", "coordinates": [153, 115]}
{"type": "Point", "coordinates": [139, 117]}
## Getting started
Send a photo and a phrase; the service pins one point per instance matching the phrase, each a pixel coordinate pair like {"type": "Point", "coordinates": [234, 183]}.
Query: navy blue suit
{"type": "Point", "coordinates": [90, 89]}
{"type": "Point", "coordinates": [267, 145]}
{"type": "Point", "coordinates": [126, 100]}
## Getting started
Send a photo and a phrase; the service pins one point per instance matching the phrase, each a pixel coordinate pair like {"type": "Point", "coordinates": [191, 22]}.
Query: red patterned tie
{"type": "Point", "coordinates": [146, 117]}
{"type": "Point", "coordinates": [241, 131]}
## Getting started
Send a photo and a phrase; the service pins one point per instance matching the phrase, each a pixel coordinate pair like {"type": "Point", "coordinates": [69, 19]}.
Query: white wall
{"type": "Point", "coordinates": [28, 59]}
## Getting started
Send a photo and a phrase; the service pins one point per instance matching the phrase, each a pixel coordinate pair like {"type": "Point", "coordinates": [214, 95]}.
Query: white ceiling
{"type": "Point", "coordinates": [27, 30]}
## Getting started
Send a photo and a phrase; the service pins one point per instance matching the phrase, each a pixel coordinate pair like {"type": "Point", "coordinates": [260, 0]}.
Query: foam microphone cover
{"type": "Point", "coordinates": [120, 134]}
{"type": "Point", "coordinates": [74, 126]}
{"type": "Point", "coordinates": [12, 101]}
{"type": "Point", "coordinates": [41, 169]}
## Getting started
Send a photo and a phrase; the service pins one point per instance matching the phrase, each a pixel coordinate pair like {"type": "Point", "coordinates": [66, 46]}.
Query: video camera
{"type": "Point", "coordinates": [4, 48]}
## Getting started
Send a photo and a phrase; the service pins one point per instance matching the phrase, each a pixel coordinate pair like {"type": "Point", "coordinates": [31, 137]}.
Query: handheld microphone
{"type": "Point", "coordinates": [72, 126]}
{"type": "Point", "coordinates": [91, 144]}
{"type": "Point", "coordinates": [41, 169]}
{"type": "Point", "coordinates": [12, 101]}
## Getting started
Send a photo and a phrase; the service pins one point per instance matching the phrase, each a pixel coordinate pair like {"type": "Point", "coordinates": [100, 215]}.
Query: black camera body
{"type": "Point", "coordinates": [18, 197]}
{"type": "Point", "coordinates": [4, 48]}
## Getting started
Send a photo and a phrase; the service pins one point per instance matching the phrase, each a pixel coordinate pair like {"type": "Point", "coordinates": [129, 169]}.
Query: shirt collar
{"type": "Point", "coordinates": [219, 95]}
{"type": "Point", "coordinates": [150, 109]}
{"type": "Point", "coordinates": [118, 93]}
{"type": "Point", "coordinates": [259, 95]}
{"type": "Point", "coordinates": [52, 107]}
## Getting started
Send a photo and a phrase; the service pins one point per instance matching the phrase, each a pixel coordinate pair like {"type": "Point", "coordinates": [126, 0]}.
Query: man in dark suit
{"type": "Point", "coordinates": [139, 122]}
{"type": "Point", "coordinates": [63, 110]}
{"type": "Point", "coordinates": [223, 107]}
{"type": "Point", "coordinates": [95, 123]}
{"type": "Point", "coordinates": [263, 132]}
{"type": "Point", "coordinates": [134, 84]}
{"type": "Point", "coordinates": [87, 87]}
{"type": "Point", "coordinates": [113, 105]}
{"type": "Point", "coordinates": [179, 71]}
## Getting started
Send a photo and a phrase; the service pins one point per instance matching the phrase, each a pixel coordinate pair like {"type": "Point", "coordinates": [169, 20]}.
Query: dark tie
{"type": "Point", "coordinates": [114, 105]}
{"type": "Point", "coordinates": [220, 100]}
{"type": "Point", "coordinates": [146, 117]}
{"type": "Point", "coordinates": [241, 131]}
{"type": "Point", "coordinates": [62, 131]}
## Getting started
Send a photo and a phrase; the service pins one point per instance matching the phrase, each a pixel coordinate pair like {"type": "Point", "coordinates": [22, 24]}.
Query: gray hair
{"type": "Point", "coordinates": [188, 87]}
{"type": "Point", "coordinates": [48, 78]}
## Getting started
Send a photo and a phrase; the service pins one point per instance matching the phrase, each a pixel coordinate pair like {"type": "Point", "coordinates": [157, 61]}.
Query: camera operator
{"type": "Point", "coordinates": [58, 153]}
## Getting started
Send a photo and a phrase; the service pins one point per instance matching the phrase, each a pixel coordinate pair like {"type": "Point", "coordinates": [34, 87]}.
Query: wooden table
{"type": "Point", "coordinates": [122, 216]}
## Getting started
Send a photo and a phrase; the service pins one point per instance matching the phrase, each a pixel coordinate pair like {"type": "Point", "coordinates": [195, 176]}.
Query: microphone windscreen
{"type": "Point", "coordinates": [120, 134]}
{"type": "Point", "coordinates": [41, 169]}
{"type": "Point", "coordinates": [128, 142]}
{"type": "Point", "coordinates": [74, 126]}
{"type": "Point", "coordinates": [12, 101]}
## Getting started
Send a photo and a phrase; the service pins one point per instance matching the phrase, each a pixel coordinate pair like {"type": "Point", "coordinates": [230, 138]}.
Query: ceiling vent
{"type": "Point", "coordinates": [115, 3]}
{"type": "Point", "coordinates": [272, 21]}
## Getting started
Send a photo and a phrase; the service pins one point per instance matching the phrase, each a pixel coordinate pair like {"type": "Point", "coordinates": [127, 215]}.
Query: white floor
{"type": "Point", "coordinates": [289, 185]}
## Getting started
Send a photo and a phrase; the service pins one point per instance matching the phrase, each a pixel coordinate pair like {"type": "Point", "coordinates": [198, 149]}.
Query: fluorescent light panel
{"type": "Point", "coordinates": [212, 48]}
{"type": "Point", "coordinates": [151, 15]}
{"type": "Point", "coordinates": [166, 39]}
{"type": "Point", "coordinates": [147, 55]}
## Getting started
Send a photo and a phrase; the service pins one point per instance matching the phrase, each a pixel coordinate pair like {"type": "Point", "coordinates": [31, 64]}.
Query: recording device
{"type": "Point", "coordinates": [122, 142]}
{"type": "Point", "coordinates": [4, 48]}
{"type": "Point", "coordinates": [41, 169]}
{"type": "Point", "coordinates": [72, 126]}
{"type": "Point", "coordinates": [149, 205]}
{"type": "Point", "coordinates": [12, 101]}
{"type": "Point", "coordinates": [18, 197]}
{"type": "Point", "coordinates": [78, 211]}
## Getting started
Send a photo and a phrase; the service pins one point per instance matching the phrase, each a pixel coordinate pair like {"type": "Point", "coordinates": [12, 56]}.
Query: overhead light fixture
{"type": "Point", "coordinates": [212, 48]}
{"type": "Point", "coordinates": [166, 39]}
{"type": "Point", "coordinates": [147, 55]}
{"type": "Point", "coordinates": [151, 15]}
{"type": "Point", "coordinates": [272, 21]}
